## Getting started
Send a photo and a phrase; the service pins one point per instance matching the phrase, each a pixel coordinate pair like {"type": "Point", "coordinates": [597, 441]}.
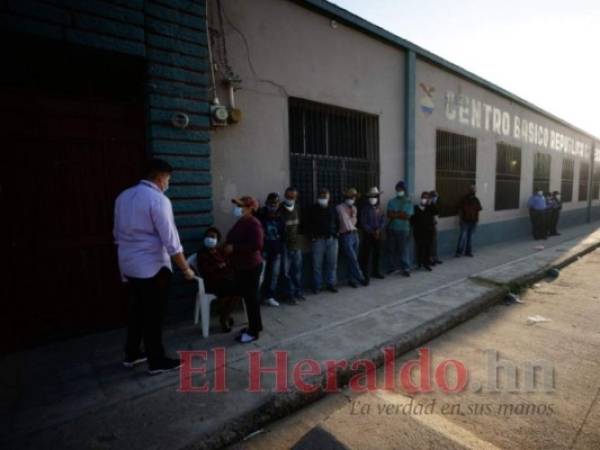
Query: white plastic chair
{"type": "Point", "coordinates": [203, 299]}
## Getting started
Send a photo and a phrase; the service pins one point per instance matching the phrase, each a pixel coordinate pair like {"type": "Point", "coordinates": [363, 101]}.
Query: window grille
{"type": "Point", "coordinates": [333, 148]}
{"type": "Point", "coordinates": [508, 176]}
{"type": "Point", "coordinates": [584, 173]}
{"type": "Point", "coordinates": [596, 182]}
{"type": "Point", "coordinates": [566, 184]}
{"type": "Point", "coordinates": [541, 172]}
{"type": "Point", "coordinates": [455, 169]}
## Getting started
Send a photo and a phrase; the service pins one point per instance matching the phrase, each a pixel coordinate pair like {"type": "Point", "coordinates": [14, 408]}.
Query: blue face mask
{"type": "Point", "coordinates": [210, 242]}
{"type": "Point", "coordinates": [238, 212]}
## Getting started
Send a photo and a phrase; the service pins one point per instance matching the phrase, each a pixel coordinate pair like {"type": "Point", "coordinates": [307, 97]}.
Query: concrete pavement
{"type": "Point", "coordinates": [75, 394]}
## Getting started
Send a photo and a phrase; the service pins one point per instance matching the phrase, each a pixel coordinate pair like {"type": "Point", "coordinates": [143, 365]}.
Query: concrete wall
{"type": "Point", "coordinates": [281, 49]}
{"type": "Point", "coordinates": [458, 120]}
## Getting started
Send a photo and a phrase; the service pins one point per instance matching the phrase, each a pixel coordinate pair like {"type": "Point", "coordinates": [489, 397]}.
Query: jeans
{"type": "Point", "coordinates": [464, 239]}
{"type": "Point", "coordinates": [324, 251]}
{"type": "Point", "coordinates": [271, 270]}
{"type": "Point", "coordinates": [146, 310]}
{"type": "Point", "coordinates": [398, 248]}
{"type": "Point", "coordinates": [292, 271]}
{"type": "Point", "coordinates": [349, 243]}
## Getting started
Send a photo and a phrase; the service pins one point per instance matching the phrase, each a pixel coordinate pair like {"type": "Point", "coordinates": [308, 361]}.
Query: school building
{"type": "Point", "coordinates": [308, 94]}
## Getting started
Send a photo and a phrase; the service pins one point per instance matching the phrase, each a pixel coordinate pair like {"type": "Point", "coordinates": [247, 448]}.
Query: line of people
{"type": "Point", "coordinates": [265, 243]}
{"type": "Point", "coordinates": [544, 212]}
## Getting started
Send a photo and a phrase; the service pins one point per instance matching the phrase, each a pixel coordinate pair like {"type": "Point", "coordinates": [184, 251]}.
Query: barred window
{"type": "Point", "coordinates": [541, 172]}
{"type": "Point", "coordinates": [584, 173]}
{"type": "Point", "coordinates": [566, 183]}
{"type": "Point", "coordinates": [455, 169]}
{"type": "Point", "coordinates": [508, 176]}
{"type": "Point", "coordinates": [333, 148]}
{"type": "Point", "coordinates": [596, 182]}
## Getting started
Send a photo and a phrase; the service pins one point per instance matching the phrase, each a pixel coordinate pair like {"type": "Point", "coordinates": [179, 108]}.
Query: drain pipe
{"type": "Point", "coordinates": [591, 182]}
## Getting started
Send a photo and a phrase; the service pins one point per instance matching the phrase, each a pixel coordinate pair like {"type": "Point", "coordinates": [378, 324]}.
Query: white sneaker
{"type": "Point", "coordinates": [246, 338]}
{"type": "Point", "coordinates": [272, 302]}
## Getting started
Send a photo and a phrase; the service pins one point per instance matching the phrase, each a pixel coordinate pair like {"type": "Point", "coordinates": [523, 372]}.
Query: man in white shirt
{"type": "Point", "coordinates": [147, 240]}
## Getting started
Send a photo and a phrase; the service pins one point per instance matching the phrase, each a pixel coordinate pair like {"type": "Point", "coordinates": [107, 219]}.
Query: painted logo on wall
{"type": "Point", "coordinates": [426, 100]}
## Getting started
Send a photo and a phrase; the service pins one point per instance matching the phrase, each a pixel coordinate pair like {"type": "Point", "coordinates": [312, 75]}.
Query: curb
{"type": "Point", "coordinates": [278, 406]}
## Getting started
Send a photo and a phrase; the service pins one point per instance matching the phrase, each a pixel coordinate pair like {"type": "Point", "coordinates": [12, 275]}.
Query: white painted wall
{"type": "Point", "coordinates": [295, 52]}
{"type": "Point", "coordinates": [443, 82]}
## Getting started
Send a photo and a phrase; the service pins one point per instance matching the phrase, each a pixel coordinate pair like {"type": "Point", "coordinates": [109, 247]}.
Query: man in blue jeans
{"type": "Point", "coordinates": [274, 232]}
{"type": "Point", "coordinates": [322, 229]}
{"type": "Point", "coordinates": [292, 253]}
{"type": "Point", "coordinates": [399, 211]}
{"type": "Point", "coordinates": [468, 211]}
{"type": "Point", "coordinates": [348, 217]}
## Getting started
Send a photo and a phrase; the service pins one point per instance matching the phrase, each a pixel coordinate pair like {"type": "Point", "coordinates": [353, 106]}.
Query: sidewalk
{"type": "Point", "coordinates": [75, 394]}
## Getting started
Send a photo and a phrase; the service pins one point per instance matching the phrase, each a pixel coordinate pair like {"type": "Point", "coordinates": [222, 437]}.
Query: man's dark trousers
{"type": "Point", "coordinates": [146, 311]}
{"type": "Point", "coordinates": [369, 247]}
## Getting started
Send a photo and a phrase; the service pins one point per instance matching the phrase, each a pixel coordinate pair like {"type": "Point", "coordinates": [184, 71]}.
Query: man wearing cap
{"type": "Point", "coordinates": [147, 241]}
{"type": "Point", "coordinates": [244, 245]}
{"type": "Point", "coordinates": [348, 218]}
{"type": "Point", "coordinates": [323, 231]}
{"type": "Point", "coordinates": [371, 221]}
{"type": "Point", "coordinates": [399, 211]}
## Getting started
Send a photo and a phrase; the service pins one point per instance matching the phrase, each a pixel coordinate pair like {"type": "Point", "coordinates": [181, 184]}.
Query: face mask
{"type": "Point", "coordinates": [289, 203]}
{"type": "Point", "coordinates": [323, 201]}
{"type": "Point", "coordinates": [210, 242]}
{"type": "Point", "coordinates": [373, 201]}
{"type": "Point", "coordinates": [557, 197]}
{"type": "Point", "coordinates": [400, 193]}
{"type": "Point", "coordinates": [272, 209]}
{"type": "Point", "coordinates": [349, 201]}
{"type": "Point", "coordinates": [238, 212]}
{"type": "Point", "coordinates": [424, 201]}
{"type": "Point", "coordinates": [540, 193]}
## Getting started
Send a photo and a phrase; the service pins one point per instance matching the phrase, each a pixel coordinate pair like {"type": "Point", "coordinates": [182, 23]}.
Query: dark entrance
{"type": "Point", "coordinates": [72, 133]}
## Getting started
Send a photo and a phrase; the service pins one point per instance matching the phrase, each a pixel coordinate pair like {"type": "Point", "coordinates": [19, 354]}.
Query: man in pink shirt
{"type": "Point", "coordinates": [147, 241]}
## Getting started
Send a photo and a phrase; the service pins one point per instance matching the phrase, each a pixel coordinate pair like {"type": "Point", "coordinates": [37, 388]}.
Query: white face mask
{"type": "Point", "coordinates": [210, 242]}
{"type": "Point", "coordinates": [323, 201]}
{"type": "Point", "coordinates": [350, 201]}
{"type": "Point", "coordinates": [373, 201]}
{"type": "Point", "coordinates": [424, 201]}
{"type": "Point", "coordinates": [289, 203]}
{"type": "Point", "coordinates": [237, 211]}
{"type": "Point", "coordinates": [400, 193]}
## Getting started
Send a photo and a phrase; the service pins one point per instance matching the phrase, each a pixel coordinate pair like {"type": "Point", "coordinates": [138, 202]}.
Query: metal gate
{"type": "Point", "coordinates": [72, 131]}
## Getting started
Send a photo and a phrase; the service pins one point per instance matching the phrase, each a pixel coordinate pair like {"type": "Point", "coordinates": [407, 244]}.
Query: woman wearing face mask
{"type": "Point", "coordinates": [218, 276]}
{"type": "Point", "coordinates": [348, 217]}
{"type": "Point", "coordinates": [244, 245]}
{"type": "Point", "coordinates": [423, 226]}
{"type": "Point", "coordinates": [371, 221]}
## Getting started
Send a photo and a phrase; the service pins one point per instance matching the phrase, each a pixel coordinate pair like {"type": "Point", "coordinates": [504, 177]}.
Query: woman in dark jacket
{"type": "Point", "coordinates": [244, 245]}
{"type": "Point", "coordinates": [217, 273]}
{"type": "Point", "coordinates": [423, 222]}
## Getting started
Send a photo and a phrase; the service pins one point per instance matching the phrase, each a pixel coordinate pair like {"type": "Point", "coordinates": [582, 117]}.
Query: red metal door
{"type": "Point", "coordinates": [65, 156]}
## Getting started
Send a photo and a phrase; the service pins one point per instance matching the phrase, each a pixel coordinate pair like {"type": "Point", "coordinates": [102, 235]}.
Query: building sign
{"type": "Point", "coordinates": [477, 114]}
